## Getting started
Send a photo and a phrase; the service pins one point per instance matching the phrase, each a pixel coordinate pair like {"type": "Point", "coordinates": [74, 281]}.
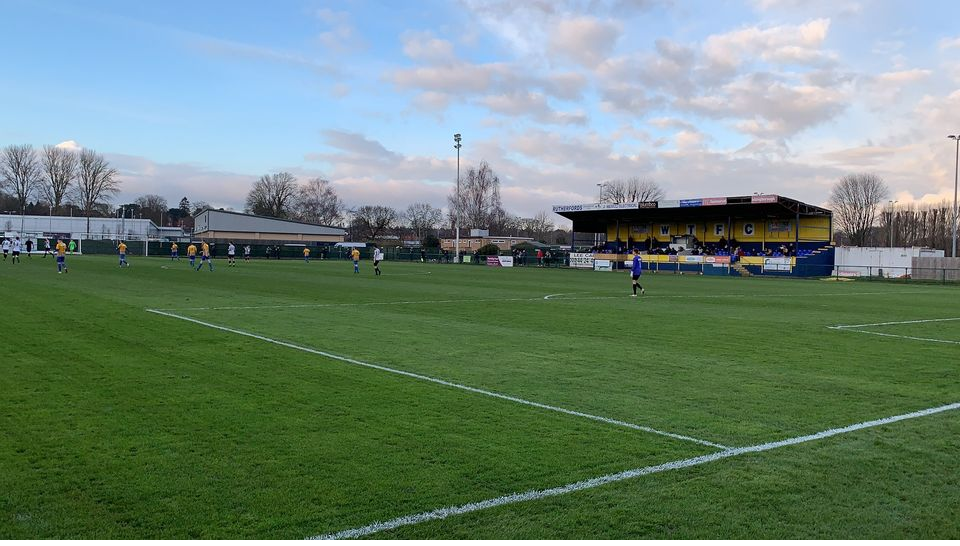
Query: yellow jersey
{"type": "Point", "coordinates": [205, 250]}
{"type": "Point", "coordinates": [122, 248]}
{"type": "Point", "coordinates": [192, 250]}
{"type": "Point", "coordinates": [306, 252]}
{"type": "Point", "coordinates": [61, 249]}
{"type": "Point", "coordinates": [174, 247]}
{"type": "Point", "coordinates": [355, 255]}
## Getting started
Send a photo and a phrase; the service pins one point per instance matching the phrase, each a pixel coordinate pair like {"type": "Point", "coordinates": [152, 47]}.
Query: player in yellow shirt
{"type": "Point", "coordinates": [174, 252]}
{"type": "Point", "coordinates": [192, 254]}
{"type": "Point", "coordinates": [205, 256]}
{"type": "Point", "coordinates": [306, 254]}
{"type": "Point", "coordinates": [122, 248]}
{"type": "Point", "coordinates": [355, 254]}
{"type": "Point", "coordinates": [61, 257]}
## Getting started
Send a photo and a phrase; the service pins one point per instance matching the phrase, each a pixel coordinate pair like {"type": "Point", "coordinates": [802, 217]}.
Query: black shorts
{"type": "Point", "coordinates": [376, 263]}
{"type": "Point", "coordinates": [635, 276]}
{"type": "Point", "coordinates": [16, 252]}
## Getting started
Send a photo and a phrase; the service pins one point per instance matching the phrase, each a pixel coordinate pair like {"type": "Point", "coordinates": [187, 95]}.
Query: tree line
{"type": "Point", "coordinates": [280, 195]}
{"type": "Point", "coordinates": [58, 176]}
{"type": "Point", "coordinates": [865, 216]}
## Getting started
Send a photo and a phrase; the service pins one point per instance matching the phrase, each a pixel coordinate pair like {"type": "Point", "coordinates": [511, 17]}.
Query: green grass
{"type": "Point", "coordinates": [120, 423]}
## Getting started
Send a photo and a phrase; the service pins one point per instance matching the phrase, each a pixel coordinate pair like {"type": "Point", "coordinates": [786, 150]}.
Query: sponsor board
{"type": "Point", "coordinates": [597, 206]}
{"type": "Point", "coordinates": [668, 204]}
{"type": "Point", "coordinates": [713, 201]}
{"type": "Point", "coordinates": [581, 260]}
{"type": "Point", "coordinates": [692, 259]}
{"type": "Point", "coordinates": [778, 227]}
{"type": "Point", "coordinates": [691, 202]}
{"type": "Point", "coordinates": [500, 261]}
{"type": "Point", "coordinates": [716, 259]}
{"type": "Point", "coordinates": [776, 264]}
{"type": "Point", "coordinates": [602, 265]}
{"type": "Point", "coordinates": [763, 199]}
{"type": "Point", "coordinates": [647, 205]}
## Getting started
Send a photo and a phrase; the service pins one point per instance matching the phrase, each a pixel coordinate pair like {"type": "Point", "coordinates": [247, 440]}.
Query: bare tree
{"type": "Point", "coordinates": [479, 197]}
{"type": "Point", "coordinates": [20, 172]}
{"type": "Point", "coordinates": [855, 199]}
{"type": "Point", "coordinates": [318, 203]}
{"type": "Point", "coordinates": [423, 217]}
{"type": "Point", "coordinates": [630, 190]}
{"type": "Point", "coordinates": [273, 195]}
{"type": "Point", "coordinates": [59, 172]}
{"type": "Point", "coordinates": [200, 206]}
{"type": "Point", "coordinates": [539, 226]}
{"type": "Point", "coordinates": [153, 207]}
{"type": "Point", "coordinates": [372, 221]}
{"type": "Point", "coordinates": [912, 224]}
{"type": "Point", "coordinates": [96, 181]}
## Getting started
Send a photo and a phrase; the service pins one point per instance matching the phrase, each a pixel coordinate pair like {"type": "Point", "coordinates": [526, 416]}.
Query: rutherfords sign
{"type": "Point", "coordinates": [604, 206]}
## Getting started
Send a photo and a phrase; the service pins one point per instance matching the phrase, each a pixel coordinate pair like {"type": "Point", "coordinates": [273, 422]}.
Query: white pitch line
{"type": "Point", "coordinates": [550, 298]}
{"type": "Point", "coordinates": [406, 274]}
{"type": "Point", "coordinates": [444, 382]}
{"type": "Point", "coordinates": [443, 513]}
{"type": "Point", "coordinates": [839, 326]}
{"type": "Point", "coordinates": [896, 335]}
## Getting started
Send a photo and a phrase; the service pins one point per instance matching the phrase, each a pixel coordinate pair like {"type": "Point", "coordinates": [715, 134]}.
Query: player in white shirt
{"type": "Point", "coordinates": [377, 257]}
{"type": "Point", "coordinates": [6, 248]}
{"type": "Point", "coordinates": [16, 251]}
{"type": "Point", "coordinates": [231, 255]}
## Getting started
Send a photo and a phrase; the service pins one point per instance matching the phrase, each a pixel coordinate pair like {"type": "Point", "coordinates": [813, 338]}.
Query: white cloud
{"type": "Point", "coordinates": [904, 76]}
{"type": "Point", "coordinates": [585, 40]}
{"type": "Point", "coordinates": [533, 105]}
{"type": "Point", "coordinates": [768, 107]}
{"type": "Point", "coordinates": [949, 43]}
{"type": "Point", "coordinates": [785, 44]}
{"type": "Point", "coordinates": [424, 47]}
{"type": "Point", "coordinates": [70, 145]}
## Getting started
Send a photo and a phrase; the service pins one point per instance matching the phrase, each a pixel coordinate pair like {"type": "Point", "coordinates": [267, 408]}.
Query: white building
{"type": "Point", "coordinates": [855, 261]}
{"type": "Point", "coordinates": [75, 227]}
{"type": "Point", "coordinates": [237, 226]}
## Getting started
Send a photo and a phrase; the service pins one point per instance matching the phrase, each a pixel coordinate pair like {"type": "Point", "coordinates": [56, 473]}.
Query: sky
{"type": "Point", "coordinates": [717, 98]}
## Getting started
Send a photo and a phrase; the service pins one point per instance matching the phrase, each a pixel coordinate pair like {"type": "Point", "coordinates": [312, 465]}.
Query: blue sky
{"type": "Point", "coordinates": [706, 98]}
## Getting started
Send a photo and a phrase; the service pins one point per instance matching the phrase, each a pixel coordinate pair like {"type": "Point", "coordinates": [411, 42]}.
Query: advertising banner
{"type": "Point", "coordinates": [713, 201]}
{"type": "Point", "coordinates": [500, 261]}
{"type": "Point", "coordinates": [647, 204]}
{"type": "Point", "coordinates": [692, 259]}
{"type": "Point", "coordinates": [778, 227]}
{"type": "Point", "coordinates": [717, 259]}
{"type": "Point", "coordinates": [763, 199]}
{"type": "Point", "coordinates": [598, 206]}
{"type": "Point", "coordinates": [581, 260]}
{"type": "Point", "coordinates": [668, 204]}
{"type": "Point", "coordinates": [691, 202]}
{"type": "Point", "coordinates": [776, 264]}
{"type": "Point", "coordinates": [602, 265]}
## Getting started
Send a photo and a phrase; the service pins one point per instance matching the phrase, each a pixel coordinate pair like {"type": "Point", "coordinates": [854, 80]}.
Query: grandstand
{"type": "Point", "coordinates": [769, 234]}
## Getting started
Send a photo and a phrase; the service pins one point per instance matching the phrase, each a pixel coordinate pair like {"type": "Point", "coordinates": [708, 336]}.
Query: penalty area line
{"type": "Point", "coordinates": [443, 382]}
{"type": "Point", "coordinates": [537, 494]}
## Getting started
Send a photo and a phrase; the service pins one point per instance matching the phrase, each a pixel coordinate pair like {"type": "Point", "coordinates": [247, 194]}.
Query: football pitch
{"type": "Point", "coordinates": [279, 399]}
